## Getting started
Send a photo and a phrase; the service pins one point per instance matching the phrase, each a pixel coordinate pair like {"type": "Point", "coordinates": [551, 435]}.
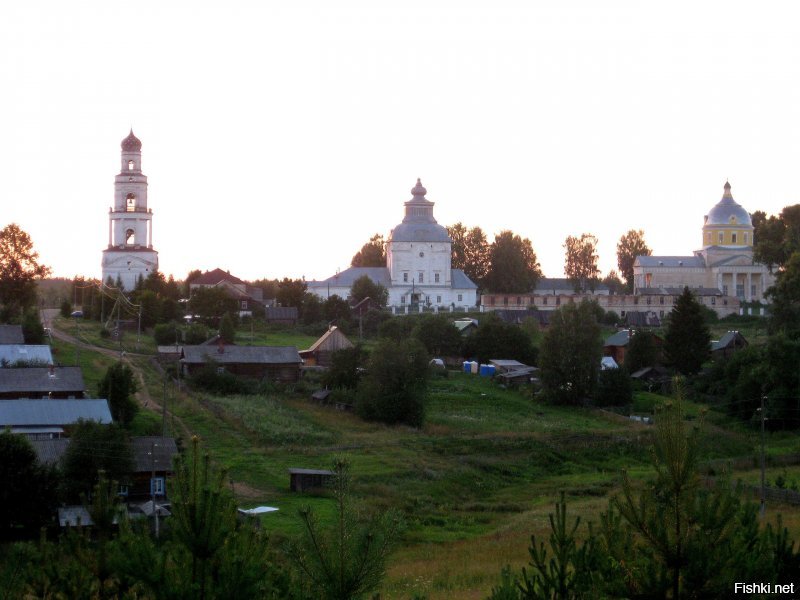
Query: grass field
{"type": "Point", "coordinates": [474, 483]}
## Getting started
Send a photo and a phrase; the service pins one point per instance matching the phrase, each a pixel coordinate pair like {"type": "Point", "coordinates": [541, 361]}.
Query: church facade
{"type": "Point", "coordinates": [418, 270]}
{"type": "Point", "coordinates": [130, 254]}
{"type": "Point", "coordinates": [724, 264]}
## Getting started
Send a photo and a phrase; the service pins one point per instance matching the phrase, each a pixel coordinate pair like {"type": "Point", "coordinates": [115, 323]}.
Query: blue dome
{"type": "Point", "coordinates": [728, 212]}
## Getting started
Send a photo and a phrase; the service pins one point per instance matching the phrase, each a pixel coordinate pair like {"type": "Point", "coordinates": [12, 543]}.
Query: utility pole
{"type": "Point", "coordinates": [164, 408]}
{"type": "Point", "coordinates": [153, 483]}
{"type": "Point", "coordinates": [763, 460]}
{"type": "Point", "coordinates": [139, 329]}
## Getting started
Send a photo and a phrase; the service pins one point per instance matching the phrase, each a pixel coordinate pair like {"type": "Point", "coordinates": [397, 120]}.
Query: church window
{"type": "Point", "coordinates": [661, 300]}
{"type": "Point", "coordinates": [558, 300]}
{"type": "Point", "coordinates": [438, 299]}
{"type": "Point", "coordinates": [733, 238]}
{"type": "Point", "coordinates": [721, 237]}
{"type": "Point", "coordinates": [648, 299]}
{"type": "Point", "coordinates": [753, 291]}
{"type": "Point", "coordinates": [436, 278]}
{"type": "Point", "coordinates": [130, 202]}
{"type": "Point", "coordinates": [724, 290]}
{"type": "Point", "coordinates": [459, 297]}
{"type": "Point", "coordinates": [131, 165]}
{"type": "Point", "coordinates": [402, 299]}
{"type": "Point", "coordinates": [405, 277]}
{"type": "Point", "coordinates": [129, 236]}
{"type": "Point", "coordinates": [544, 300]}
{"type": "Point", "coordinates": [420, 277]}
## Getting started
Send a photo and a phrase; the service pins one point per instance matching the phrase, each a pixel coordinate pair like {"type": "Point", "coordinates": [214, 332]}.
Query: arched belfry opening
{"type": "Point", "coordinates": [130, 202]}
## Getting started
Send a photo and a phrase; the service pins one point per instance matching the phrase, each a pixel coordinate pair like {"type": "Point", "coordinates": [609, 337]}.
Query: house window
{"type": "Point", "coordinates": [661, 300]}
{"type": "Point", "coordinates": [721, 237]}
{"type": "Point", "coordinates": [438, 299]}
{"type": "Point", "coordinates": [122, 490]}
{"type": "Point", "coordinates": [436, 278]}
{"type": "Point", "coordinates": [157, 486]}
{"type": "Point", "coordinates": [733, 238]}
{"type": "Point", "coordinates": [649, 299]}
{"type": "Point", "coordinates": [558, 300]}
{"type": "Point", "coordinates": [622, 313]}
{"type": "Point", "coordinates": [459, 297]}
{"type": "Point", "coordinates": [544, 300]}
{"type": "Point", "coordinates": [405, 277]}
{"type": "Point", "coordinates": [220, 370]}
{"type": "Point", "coordinates": [713, 300]}
{"type": "Point", "coordinates": [519, 300]}
{"type": "Point", "coordinates": [636, 300]}
{"type": "Point", "coordinates": [402, 299]}
{"type": "Point", "coordinates": [420, 277]}
{"type": "Point", "coordinates": [244, 304]}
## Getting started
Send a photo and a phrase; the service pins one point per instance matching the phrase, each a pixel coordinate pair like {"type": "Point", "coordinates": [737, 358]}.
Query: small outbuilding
{"type": "Point", "coordinates": [320, 352]}
{"type": "Point", "coordinates": [41, 382]}
{"type": "Point", "coordinates": [277, 363]}
{"type": "Point", "coordinates": [304, 480]}
{"type": "Point", "coordinates": [727, 345]}
{"type": "Point", "coordinates": [11, 334]}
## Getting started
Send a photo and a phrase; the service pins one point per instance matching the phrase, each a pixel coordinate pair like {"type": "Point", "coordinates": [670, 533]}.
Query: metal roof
{"type": "Point", "coordinates": [11, 334]}
{"type": "Point", "coordinates": [215, 276]}
{"type": "Point", "coordinates": [419, 232]}
{"type": "Point", "coordinates": [348, 277]}
{"type": "Point", "coordinates": [164, 448]}
{"type": "Point", "coordinates": [49, 452]}
{"type": "Point", "coordinates": [728, 212]}
{"type": "Point", "coordinates": [42, 413]}
{"type": "Point", "coordinates": [551, 284]}
{"type": "Point", "coordinates": [726, 340]}
{"type": "Point", "coordinates": [686, 262]}
{"type": "Point", "coordinates": [460, 281]}
{"type": "Point", "coordinates": [294, 471]}
{"type": "Point", "coordinates": [270, 355]}
{"type": "Point", "coordinates": [621, 338]}
{"type": "Point", "coordinates": [39, 380]}
{"type": "Point", "coordinates": [12, 353]}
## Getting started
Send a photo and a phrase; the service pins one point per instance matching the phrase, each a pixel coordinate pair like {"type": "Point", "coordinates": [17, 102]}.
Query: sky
{"type": "Point", "coordinates": [279, 136]}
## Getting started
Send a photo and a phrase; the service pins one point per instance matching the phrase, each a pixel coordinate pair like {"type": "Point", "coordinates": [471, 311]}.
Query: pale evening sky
{"type": "Point", "coordinates": [278, 137]}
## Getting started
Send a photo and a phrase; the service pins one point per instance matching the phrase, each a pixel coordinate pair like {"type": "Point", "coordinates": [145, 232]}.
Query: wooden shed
{"type": "Point", "coordinates": [304, 480]}
{"type": "Point", "coordinates": [321, 351]}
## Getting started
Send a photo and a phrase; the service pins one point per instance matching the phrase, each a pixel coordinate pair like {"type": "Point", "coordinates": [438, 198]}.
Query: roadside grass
{"type": "Point", "coordinates": [88, 331]}
{"type": "Point", "coordinates": [93, 364]}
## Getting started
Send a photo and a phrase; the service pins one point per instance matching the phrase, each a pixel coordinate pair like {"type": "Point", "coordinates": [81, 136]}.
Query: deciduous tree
{"type": "Point", "coordinates": [27, 495]}
{"type": "Point", "coordinates": [291, 292]}
{"type": "Point", "coordinates": [687, 341]}
{"type": "Point", "coordinates": [470, 251]}
{"type": "Point", "coordinates": [95, 447]}
{"type": "Point", "coordinates": [364, 287]}
{"type": "Point", "coordinates": [513, 265]}
{"type": "Point", "coordinates": [118, 387]}
{"type": "Point", "coordinates": [630, 246]}
{"type": "Point", "coordinates": [496, 339]}
{"type": "Point", "coordinates": [570, 354]}
{"type": "Point", "coordinates": [372, 254]}
{"type": "Point", "coordinates": [614, 283]}
{"type": "Point", "coordinates": [580, 264]}
{"type": "Point", "coordinates": [785, 296]}
{"type": "Point", "coordinates": [438, 334]}
{"type": "Point", "coordinates": [19, 270]}
{"type": "Point", "coordinates": [212, 303]}
{"type": "Point", "coordinates": [642, 350]}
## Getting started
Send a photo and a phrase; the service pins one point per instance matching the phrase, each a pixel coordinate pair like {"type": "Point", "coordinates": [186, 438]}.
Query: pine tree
{"type": "Point", "coordinates": [687, 341]}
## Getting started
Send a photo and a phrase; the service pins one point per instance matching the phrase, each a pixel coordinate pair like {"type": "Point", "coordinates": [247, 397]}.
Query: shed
{"type": "Point", "coordinates": [41, 382]}
{"type": "Point", "coordinates": [466, 326]}
{"type": "Point", "coordinates": [302, 480]}
{"type": "Point", "coordinates": [607, 362]}
{"type": "Point", "coordinates": [281, 314]}
{"type": "Point", "coordinates": [321, 351]}
{"type": "Point", "coordinates": [11, 334]}
{"type": "Point", "coordinates": [517, 376]}
{"type": "Point", "coordinates": [727, 345]}
{"type": "Point", "coordinates": [504, 366]}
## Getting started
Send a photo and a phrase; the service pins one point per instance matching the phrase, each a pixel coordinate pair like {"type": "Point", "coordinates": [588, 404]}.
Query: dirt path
{"type": "Point", "coordinates": [142, 396]}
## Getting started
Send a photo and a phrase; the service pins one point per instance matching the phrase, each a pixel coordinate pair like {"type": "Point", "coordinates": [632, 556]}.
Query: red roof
{"type": "Point", "coordinates": [215, 276]}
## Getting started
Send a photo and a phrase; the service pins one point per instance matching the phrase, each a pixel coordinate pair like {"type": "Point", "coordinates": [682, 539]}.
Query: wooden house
{"type": "Point", "coordinates": [41, 382]}
{"type": "Point", "coordinates": [51, 418]}
{"type": "Point", "coordinates": [249, 297]}
{"type": "Point", "coordinates": [152, 457]}
{"type": "Point", "coordinates": [276, 363]}
{"type": "Point", "coordinates": [727, 345]}
{"type": "Point", "coordinates": [319, 354]}
{"type": "Point", "coordinates": [11, 334]}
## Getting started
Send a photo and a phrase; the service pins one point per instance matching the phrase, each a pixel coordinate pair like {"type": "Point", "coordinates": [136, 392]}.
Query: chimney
{"type": "Point", "coordinates": [52, 371]}
{"type": "Point", "coordinates": [220, 345]}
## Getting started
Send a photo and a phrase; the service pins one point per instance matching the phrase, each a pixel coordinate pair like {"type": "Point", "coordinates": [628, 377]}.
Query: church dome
{"type": "Point", "coordinates": [728, 212]}
{"type": "Point", "coordinates": [131, 143]}
{"type": "Point", "coordinates": [418, 224]}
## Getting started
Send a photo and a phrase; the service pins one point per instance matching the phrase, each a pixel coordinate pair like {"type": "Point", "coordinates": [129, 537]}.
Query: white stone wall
{"type": "Point", "coordinates": [128, 266]}
{"type": "Point", "coordinates": [404, 257]}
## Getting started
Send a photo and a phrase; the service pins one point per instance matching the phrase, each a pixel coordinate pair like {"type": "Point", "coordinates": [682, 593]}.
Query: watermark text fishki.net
{"type": "Point", "coordinates": [763, 588]}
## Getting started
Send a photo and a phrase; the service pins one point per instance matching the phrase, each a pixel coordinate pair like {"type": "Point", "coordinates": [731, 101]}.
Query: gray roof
{"type": "Point", "coordinates": [419, 232]}
{"type": "Point", "coordinates": [39, 380]}
{"type": "Point", "coordinates": [269, 355]}
{"type": "Point", "coordinates": [12, 353]}
{"type": "Point", "coordinates": [11, 334]}
{"type": "Point", "coordinates": [621, 338]}
{"type": "Point", "coordinates": [694, 262]}
{"type": "Point", "coordinates": [726, 209]}
{"type": "Point", "coordinates": [460, 281]}
{"type": "Point", "coordinates": [727, 340]}
{"type": "Point", "coordinates": [164, 447]}
{"type": "Point", "coordinates": [49, 452]}
{"type": "Point", "coordinates": [33, 413]}
{"type": "Point", "coordinates": [348, 277]}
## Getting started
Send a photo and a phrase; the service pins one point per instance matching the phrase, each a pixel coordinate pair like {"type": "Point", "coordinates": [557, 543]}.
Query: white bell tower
{"type": "Point", "coordinates": [130, 251]}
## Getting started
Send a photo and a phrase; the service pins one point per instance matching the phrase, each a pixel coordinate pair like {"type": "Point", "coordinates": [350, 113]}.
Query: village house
{"type": "Point", "coordinates": [249, 297]}
{"type": "Point", "coordinates": [44, 419]}
{"type": "Point", "coordinates": [276, 363]}
{"type": "Point", "coordinates": [27, 354]}
{"type": "Point", "coordinates": [616, 345]}
{"type": "Point", "coordinates": [727, 345]}
{"type": "Point", "coordinates": [41, 382]}
{"type": "Point", "coordinates": [320, 352]}
{"type": "Point", "coordinates": [11, 334]}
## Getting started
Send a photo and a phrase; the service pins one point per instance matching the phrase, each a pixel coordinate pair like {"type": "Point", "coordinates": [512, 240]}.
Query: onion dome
{"type": "Point", "coordinates": [131, 143]}
{"type": "Point", "coordinates": [728, 212]}
{"type": "Point", "coordinates": [418, 223]}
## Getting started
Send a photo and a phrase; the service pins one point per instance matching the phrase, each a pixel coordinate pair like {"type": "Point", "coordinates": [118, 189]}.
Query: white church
{"type": "Point", "coordinates": [418, 270]}
{"type": "Point", "coordinates": [130, 253]}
